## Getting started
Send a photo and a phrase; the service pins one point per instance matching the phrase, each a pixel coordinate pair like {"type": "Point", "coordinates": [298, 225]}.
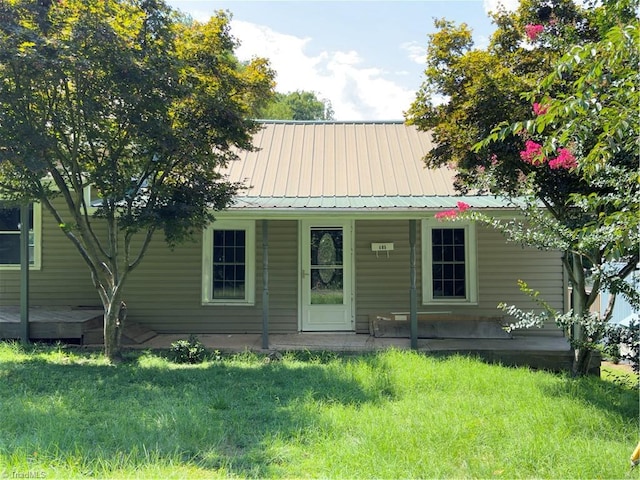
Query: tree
{"type": "Point", "coordinates": [298, 105]}
{"type": "Point", "coordinates": [597, 121]}
{"type": "Point", "coordinates": [133, 101]}
{"type": "Point", "coordinates": [482, 88]}
{"type": "Point", "coordinates": [575, 157]}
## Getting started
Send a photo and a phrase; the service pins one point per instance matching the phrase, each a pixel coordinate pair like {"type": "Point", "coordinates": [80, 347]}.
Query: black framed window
{"type": "Point", "coordinates": [448, 267]}
{"type": "Point", "coordinates": [228, 268]}
{"type": "Point", "coordinates": [229, 264]}
{"type": "Point", "coordinates": [449, 263]}
{"type": "Point", "coordinates": [10, 235]}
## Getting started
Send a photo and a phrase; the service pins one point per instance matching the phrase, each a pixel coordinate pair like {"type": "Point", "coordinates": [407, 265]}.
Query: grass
{"type": "Point", "coordinates": [68, 414]}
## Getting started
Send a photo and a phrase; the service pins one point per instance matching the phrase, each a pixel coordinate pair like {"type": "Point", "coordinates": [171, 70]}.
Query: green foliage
{"type": "Point", "coordinates": [546, 116]}
{"type": "Point", "coordinates": [188, 351]}
{"type": "Point", "coordinates": [622, 342]}
{"type": "Point", "coordinates": [298, 105]}
{"type": "Point", "coordinates": [467, 91]}
{"type": "Point", "coordinates": [138, 103]}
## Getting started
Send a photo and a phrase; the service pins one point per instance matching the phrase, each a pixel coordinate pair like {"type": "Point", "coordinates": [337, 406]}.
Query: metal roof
{"type": "Point", "coordinates": [344, 165]}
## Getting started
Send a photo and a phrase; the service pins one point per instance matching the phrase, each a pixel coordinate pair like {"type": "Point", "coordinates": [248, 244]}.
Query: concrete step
{"type": "Point", "coordinates": [134, 334]}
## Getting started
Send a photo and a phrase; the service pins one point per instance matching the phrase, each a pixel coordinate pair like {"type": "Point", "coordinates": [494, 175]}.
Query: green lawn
{"type": "Point", "coordinates": [396, 414]}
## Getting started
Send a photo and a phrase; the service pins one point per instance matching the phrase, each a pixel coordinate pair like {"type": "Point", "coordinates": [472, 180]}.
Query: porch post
{"type": "Point", "coordinates": [413, 298]}
{"type": "Point", "coordinates": [24, 273]}
{"type": "Point", "coordinates": [265, 284]}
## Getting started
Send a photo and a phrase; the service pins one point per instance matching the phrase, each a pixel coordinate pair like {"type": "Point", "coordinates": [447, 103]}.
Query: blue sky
{"type": "Point", "coordinates": [365, 56]}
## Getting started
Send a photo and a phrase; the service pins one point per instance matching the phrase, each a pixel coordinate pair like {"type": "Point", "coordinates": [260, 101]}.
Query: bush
{"type": "Point", "coordinates": [623, 343]}
{"type": "Point", "coordinates": [188, 351]}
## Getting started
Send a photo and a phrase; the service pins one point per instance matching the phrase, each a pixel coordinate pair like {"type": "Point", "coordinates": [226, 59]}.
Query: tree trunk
{"type": "Point", "coordinates": [581, 354]}
{"type": "Point", "coordinates": [114, 317]}
{"type": "Point", "coordinates": [581, 361]}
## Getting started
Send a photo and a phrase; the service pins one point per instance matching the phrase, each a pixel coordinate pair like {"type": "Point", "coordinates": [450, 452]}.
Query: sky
{"type": "Point", "coordinates": [366, 57]}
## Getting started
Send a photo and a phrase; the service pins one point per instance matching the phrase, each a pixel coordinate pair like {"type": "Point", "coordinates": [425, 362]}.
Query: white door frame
{"type": "Point", "coordinates": [345, 313]}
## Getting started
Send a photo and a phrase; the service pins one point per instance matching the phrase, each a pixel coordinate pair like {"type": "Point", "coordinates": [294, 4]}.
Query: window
{"type": "Point", "coordinates": [228, 275]}
{"type": "Point", "coordinates": [10, 237]}
{"type": "Point", "coordinates": [448, 263]}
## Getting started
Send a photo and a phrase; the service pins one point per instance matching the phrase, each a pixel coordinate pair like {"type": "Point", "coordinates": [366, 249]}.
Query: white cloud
{"type": "Point", "coordinates": [416, 51]}
{"type": "Point", "coordinates": [199, 14]}
{"type": "Point", "coordinates": [356, 92]}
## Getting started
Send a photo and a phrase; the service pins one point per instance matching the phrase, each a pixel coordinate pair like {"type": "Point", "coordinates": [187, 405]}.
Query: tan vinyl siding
{"type": "Point", "coordinates": [502, 264]}
{"type": "Point", "coordinates": [164, 293]}
{"type": "Point", "coordinates": [382, 284]}
{"type": "Point", "coordinates": [283, 275]}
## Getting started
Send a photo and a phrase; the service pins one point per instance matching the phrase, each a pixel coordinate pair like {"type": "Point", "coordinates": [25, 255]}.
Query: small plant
{"type": "Point", "coordinates": [188, 351]}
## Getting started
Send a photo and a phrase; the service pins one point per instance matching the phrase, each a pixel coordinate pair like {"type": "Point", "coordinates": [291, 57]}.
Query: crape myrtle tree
{"type": "Point", "coordinates": [545, 117]}
{"type": "Point", "coordinates": [137, 103]}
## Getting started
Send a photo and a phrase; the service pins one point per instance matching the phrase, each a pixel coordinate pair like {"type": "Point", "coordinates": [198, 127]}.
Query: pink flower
{"type": "Point", "coordinates": [532, 153]}
{"type": "Point", "coordinates": [540, 109]}
{"type": "Point", "coordinates": [462, 207]}
{"type": "Point", "coordinates": [446, 214]}
{"type": "Point", "coordinates": [494, 159]}
{"type": "Point", "coordinates": [453, 213]}
{"type": "Point", "coordinates": [533, 31]}
{"type": "Point", "coordinates": [565, 159]}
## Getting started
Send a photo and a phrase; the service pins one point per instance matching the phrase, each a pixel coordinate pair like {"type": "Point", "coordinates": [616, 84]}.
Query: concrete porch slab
{"type": "Point", "coordinates": [346, 342]}
{"type": "Point", "coordinates": [541, 352]}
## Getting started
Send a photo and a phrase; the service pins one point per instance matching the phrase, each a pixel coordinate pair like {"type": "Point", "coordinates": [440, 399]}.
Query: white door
{"type": "Point", "coordinates": [326, 278]}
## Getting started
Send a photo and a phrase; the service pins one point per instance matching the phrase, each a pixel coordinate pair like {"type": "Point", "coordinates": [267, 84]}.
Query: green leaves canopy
{"type": "Point", "coordinates": [558, 81]}
{"type": "Point", "coordinates": [298, 105]}
{"type": "Point", "coordinates": [134, 101]}
{"type": "Point", "coordinates": [125, 96]}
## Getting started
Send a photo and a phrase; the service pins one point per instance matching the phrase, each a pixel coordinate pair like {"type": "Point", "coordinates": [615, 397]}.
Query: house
{"type": "Point", "coordinates": [623, 312]}
{"type": "Point", "coordinates": [335, 229]}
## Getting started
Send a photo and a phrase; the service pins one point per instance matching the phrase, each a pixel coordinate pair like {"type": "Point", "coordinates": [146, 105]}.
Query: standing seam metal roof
{"type": "Point", "coordinates": [346, 165]}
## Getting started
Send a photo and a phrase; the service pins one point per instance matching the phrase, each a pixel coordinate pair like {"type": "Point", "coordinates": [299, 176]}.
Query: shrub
{"type": "Point", "coordinates": [623, 343]}
{"type": "Point", "coordinates": [188, 351]}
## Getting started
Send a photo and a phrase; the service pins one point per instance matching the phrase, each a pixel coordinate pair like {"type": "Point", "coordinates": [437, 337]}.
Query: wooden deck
{"type": "Point", "coordinates": [50, 323]}
{"type": "Point", "coordinates": [77, 325]}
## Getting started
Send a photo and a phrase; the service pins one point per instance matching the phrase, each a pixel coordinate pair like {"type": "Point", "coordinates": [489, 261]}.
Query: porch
{"type": "Point", "coordinates": [537, 351]}
{"type": "Point", "coordinates": [50, 322]}
{"type": "Point", "coordinates": [84, 326]}
{"type": "Point", "coordinates": [81, 325]}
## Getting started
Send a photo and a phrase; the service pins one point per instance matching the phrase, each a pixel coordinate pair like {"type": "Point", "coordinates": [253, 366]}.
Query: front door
{"type": "Point", "coordinates": [327, 276]}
